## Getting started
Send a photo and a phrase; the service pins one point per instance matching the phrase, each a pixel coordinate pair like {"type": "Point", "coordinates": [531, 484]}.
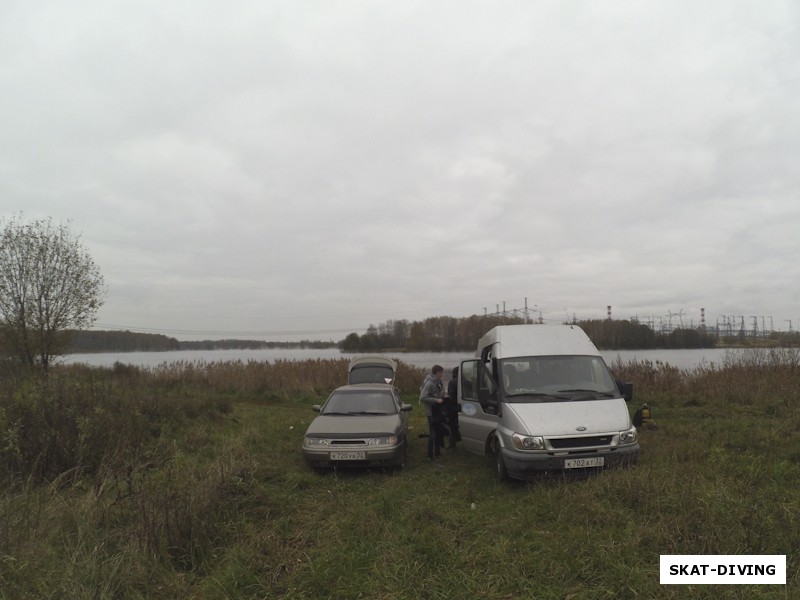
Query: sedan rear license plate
{"type": "Point", "coordinates": [582, 463]}
{"type": "Point", "coordinates": [348, 455]}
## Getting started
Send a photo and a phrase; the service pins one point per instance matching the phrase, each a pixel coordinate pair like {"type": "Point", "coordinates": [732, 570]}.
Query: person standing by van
{"type": "Point", "coordinates": [430, 395]}
{"type": "Point", "coordinates": [451, 409]}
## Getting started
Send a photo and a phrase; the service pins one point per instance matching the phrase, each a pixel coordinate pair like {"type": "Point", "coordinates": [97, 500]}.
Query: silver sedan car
{"type": "Point", "coordinates": [359, 425]}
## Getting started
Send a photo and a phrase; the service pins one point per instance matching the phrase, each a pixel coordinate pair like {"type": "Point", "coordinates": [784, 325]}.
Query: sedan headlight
{"type": "Point", "coordinates": [527, 442]}
{"type": "Point", "coordinates": [628, 437]}
{"type": "Point", "coordinates": [316, 442]}
{"type": "Point", "coordinates": [389, 440]}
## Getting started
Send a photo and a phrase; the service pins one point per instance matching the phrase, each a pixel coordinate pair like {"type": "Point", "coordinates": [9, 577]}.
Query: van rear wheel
{"type": "Point", "coordinates": [500, 472]}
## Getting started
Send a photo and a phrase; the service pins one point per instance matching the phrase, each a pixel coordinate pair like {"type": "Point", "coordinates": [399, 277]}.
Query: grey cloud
{"type": "Point", "coordinates": [286, 165]}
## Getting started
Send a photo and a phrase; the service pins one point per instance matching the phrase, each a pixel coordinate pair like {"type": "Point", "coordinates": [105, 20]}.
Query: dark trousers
{"type": "Point", "coordinates": [455, 434]}
{"type": "Point", "coordinates": [435, 438]}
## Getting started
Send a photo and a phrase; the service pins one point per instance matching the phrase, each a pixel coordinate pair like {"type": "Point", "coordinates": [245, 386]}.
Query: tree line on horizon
{"type": "Point", "coordinates": [453, 334]}
{"type": "Point", "coordinates": [97, 341]}
{"type": "Point", "coordinates": [434, 334]}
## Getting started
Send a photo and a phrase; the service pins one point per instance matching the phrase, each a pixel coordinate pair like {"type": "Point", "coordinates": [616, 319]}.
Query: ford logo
{"type": "Point", "coordinates": [581, 428]}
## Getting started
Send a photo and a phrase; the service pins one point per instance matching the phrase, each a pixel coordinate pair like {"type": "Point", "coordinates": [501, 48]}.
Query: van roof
{"type": "Point", "coordinates": [539, 340]}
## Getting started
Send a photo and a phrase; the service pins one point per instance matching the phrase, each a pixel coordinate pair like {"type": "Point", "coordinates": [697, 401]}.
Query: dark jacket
{"type": "Point", "coordinates": [451, 403]}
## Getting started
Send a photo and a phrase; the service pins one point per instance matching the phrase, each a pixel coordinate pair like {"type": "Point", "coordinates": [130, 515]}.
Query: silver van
{"type": "Point", "coordinates": [541, 398]}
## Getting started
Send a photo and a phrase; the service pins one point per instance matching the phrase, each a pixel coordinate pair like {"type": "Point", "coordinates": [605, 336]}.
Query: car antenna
{"type": "Point", "coordinates": [570, 323]}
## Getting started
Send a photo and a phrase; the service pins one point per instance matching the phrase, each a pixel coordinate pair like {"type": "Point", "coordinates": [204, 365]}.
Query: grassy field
{"type": "Point", "coordinates": [187, 481]}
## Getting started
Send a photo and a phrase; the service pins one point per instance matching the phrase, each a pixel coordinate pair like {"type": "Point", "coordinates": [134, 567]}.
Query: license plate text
{"type": "Point", "coordinates": [582, 463]}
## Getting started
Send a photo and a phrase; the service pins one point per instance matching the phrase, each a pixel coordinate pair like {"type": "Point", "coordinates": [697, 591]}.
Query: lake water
{"type": "Point", "coordinates": [682, 359]}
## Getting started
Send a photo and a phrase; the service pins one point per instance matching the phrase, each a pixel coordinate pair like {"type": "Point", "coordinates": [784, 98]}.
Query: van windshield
{"type": "Point", "coordinates": [555, 379]}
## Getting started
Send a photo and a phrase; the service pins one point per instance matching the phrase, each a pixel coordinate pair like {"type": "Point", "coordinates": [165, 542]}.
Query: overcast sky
{"type": "Point", "coordinates": [255, 168]}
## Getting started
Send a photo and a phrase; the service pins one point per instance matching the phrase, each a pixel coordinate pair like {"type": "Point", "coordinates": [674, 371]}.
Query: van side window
{"type": "Point", "coordinates": [469, 380]}
{"type": "Point", "coordinates": [486, 381]}
{"type": "Point", "coordinates": [487, 388]}
{"type": "Point", "coordinates": [487, 391]}
{"type": "Point", "coordinates": [489, 359]}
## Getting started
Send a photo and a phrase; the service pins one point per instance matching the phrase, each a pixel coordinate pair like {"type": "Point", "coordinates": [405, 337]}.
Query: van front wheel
{"type": "Point", "coordinates": [500, 472]}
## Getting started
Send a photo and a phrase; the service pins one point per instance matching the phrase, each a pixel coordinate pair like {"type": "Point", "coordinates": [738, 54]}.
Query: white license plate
{"type": "Point", "coordinates": [582, 463]}
{"type": "Point", "coordinates": [348, 455]}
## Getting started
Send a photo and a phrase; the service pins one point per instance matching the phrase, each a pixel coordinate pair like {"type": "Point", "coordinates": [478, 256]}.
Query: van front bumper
{"type": "Point", "coordinates": [526, 466]}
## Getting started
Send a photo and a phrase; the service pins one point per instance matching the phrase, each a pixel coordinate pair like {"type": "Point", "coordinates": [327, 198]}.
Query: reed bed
{"type": "Point", "coordinates": [766, 377]}
{"type": "Point", "coordinates": [278, 378]}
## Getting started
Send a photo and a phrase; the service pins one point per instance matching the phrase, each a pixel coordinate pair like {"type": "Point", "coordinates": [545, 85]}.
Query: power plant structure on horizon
{"type": "Point", "coordinates": [725, 325]}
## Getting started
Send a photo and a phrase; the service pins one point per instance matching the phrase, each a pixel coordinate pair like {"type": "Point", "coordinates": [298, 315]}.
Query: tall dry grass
{"type": "Point", "coordinates": [278, 378]}
{"type": "Point", "coordinates": [767, 377]}
{"type": "Point", "coordinates": [83, 420]}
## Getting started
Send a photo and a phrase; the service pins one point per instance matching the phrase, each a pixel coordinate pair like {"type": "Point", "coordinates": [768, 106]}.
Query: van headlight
{"type": "Point", "coordinates": [527, 442]}
{"type": "Point", "coordinates": [316, 442]}
{"type": "Point", "coordinates": [628, 437]}
{"type": "Point", "coordinates": [389, 440]}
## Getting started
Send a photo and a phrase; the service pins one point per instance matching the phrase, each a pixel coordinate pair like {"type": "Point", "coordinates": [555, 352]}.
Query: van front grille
{"type": "Point", "coordinates": [581, 442]}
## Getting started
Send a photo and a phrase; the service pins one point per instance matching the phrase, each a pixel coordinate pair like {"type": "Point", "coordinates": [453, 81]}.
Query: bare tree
{"type": "Point", "coordinates": [49, 285]}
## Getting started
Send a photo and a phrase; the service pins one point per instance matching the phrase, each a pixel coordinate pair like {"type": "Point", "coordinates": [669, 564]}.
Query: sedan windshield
{"type": "Point", "coordinates": [556, 379]}
{"type": "Point", "coordinates": [362, 402]}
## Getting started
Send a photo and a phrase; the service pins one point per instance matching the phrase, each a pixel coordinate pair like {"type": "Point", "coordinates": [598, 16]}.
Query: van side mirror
{"type": "Point", "coordinates": [406, 408]}
{"type": "Point", "coordinates": [316, 408]}
{"type": "Point", "coordinates": [627, 391]}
